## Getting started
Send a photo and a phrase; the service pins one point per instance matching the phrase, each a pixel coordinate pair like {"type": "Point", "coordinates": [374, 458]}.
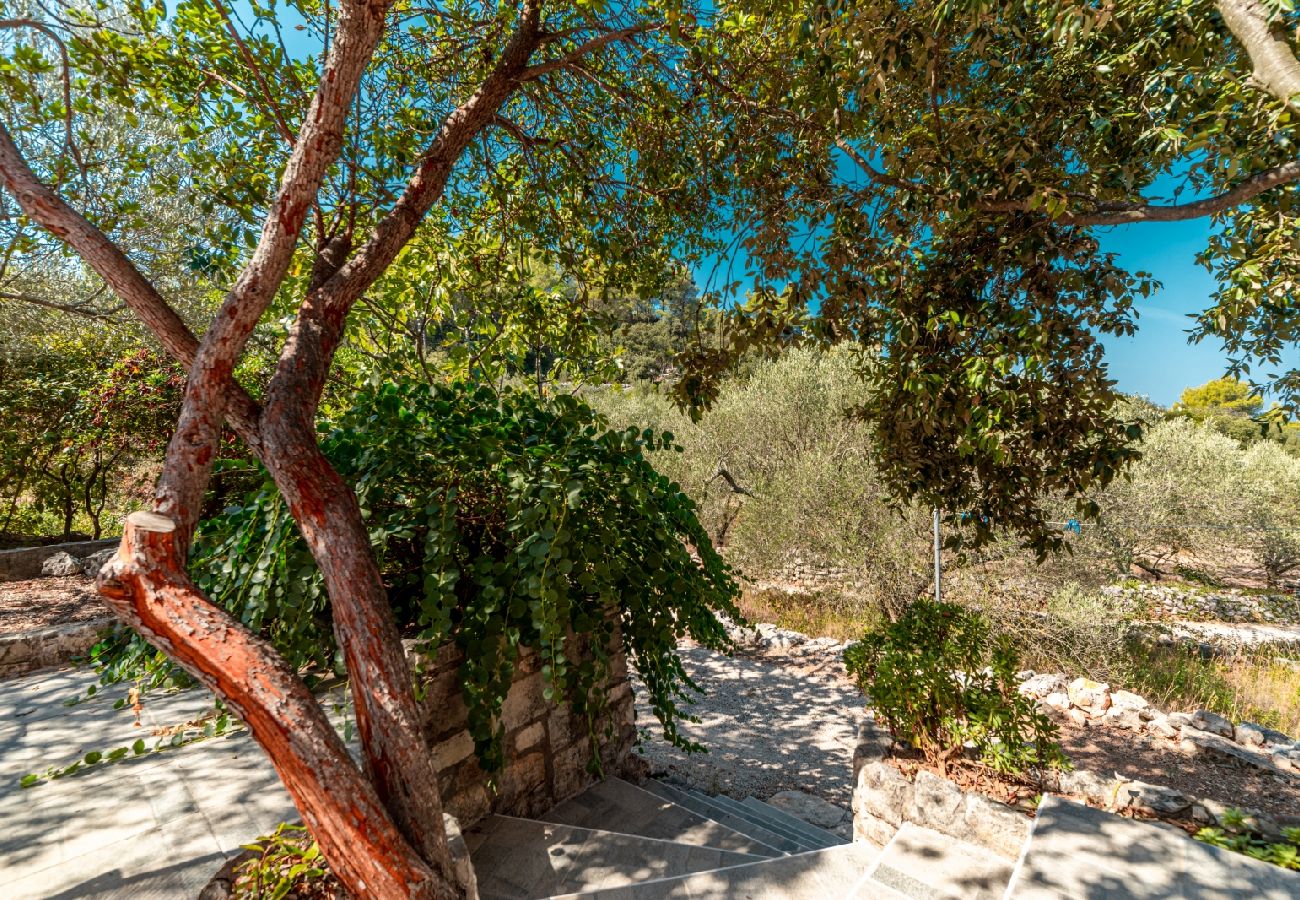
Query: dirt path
{"type": "Point", "coordinates": [769, 727]}
{"type": "Point", "coordinates": [40, 602]}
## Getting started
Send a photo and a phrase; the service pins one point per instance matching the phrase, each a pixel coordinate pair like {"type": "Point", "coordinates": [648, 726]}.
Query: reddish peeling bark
{"type": "Point", "coordinates": [146, 584]}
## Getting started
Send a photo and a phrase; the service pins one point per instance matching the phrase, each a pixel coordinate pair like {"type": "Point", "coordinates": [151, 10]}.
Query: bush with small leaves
{"type": "Point", "coordinates": [938, 680]}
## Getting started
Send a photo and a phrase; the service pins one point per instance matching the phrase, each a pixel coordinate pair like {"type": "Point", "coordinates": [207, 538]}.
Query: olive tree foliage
{"type": "Point", "coordinates": [1186, 480]}
{"type": "Point", "coordinates": [318, 173]}
{"type": "Point", "coordinates": [1268, 486]}
{"type": "Point", "coordinates": [784, 475]}
{"type": "Point", "coordinates": [932, 174]}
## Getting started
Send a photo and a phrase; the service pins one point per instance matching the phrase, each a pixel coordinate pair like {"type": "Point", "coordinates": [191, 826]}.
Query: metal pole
{"type": "Point", "coordinates": [938, 561]}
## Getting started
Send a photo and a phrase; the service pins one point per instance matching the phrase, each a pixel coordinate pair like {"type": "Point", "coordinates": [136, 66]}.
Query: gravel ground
{"type": "Point", "coordinates": [769, 726]}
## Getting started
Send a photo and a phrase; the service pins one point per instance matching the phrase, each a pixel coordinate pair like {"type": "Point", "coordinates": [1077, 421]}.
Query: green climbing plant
{"type": "Point", "coordinates": [500, 521]}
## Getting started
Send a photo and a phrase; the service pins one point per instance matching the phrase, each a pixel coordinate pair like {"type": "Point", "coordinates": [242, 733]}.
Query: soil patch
{"type": "Point", "coordinates": [1113, 751]}
{"type": "Point", "coordinates": [42, 602]}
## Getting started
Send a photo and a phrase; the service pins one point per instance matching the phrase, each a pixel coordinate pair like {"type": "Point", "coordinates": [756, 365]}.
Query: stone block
{"type": "Point", "coordinates": [872, 830]}
{"type": "Point", "coordinates": [455, 749]}
{"type": "Point", "coordinates": [1088, 784]}
{"type": "Point", "coordinates": [61, 564]}
{"type": "Point", "coordinates": [1040, 686]}
{"type": "Point", "coordinates": [528, 737]}
{"type": "Point", "coordinates": [882, 791]}
{"type": "Point", "coordinates": [1204, 720]}
{"type": "Point", "coordinates": [995, 825]}
{"type": "Point", "coordinates": [936, 802]}
{"type": "Point", "coordinates": [524, 702]}
{"type": "Point", "coordinates": [1152, 799]}
{"type": "Point", "coordinates": [874, 744]}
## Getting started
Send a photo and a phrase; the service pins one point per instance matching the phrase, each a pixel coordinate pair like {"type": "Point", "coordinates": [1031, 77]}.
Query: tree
{"type": "Point", "coordinates": [930, 174]}
{"type": "Point", "coordinates": [315, 172]}
{"type": "Point", "coordinates": [1228, 395]}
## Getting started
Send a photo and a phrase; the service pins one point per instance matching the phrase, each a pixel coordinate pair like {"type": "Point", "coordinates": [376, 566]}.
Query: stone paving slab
{"type": "Point", "coordinates": [158, 825]}
{"type": "Point", "coordinates": [1076, 852]}
{"type": "Point", "coordinates": [838, 873]}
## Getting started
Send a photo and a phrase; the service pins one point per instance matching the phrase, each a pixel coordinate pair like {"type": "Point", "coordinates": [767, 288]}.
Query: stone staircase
{"type": "Point", "coordinates": [620, 841]}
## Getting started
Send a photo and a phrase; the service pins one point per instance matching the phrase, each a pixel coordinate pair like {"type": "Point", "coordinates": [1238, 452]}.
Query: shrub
{"type": "Point", "coordinates": [938, 681]}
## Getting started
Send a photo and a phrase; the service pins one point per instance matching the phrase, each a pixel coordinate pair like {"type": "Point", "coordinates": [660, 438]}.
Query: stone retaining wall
{"type": "Point", "coordinates": [43, 648]}
{"type": "Point", "coordinates": [19, 565]}
{"type": "Point", "coordinates": [548, 751]}
{"type": "Point", "coordinates": [884, 798]}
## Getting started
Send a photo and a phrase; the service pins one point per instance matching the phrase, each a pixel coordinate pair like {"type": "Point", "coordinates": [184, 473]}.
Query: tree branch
{"type": "Point", "coordinates": [105, 315]}
{"type": "Point", "coordinates": [534, 72]}
{"type": "Point", "coordinates": [147, 587]}
{"type": "Point", "coordinates": [1276, 68]}
{"type": "Point", "coordinates": [1118, 213]}
{"type": "Point", "coordinates": [45, 207]}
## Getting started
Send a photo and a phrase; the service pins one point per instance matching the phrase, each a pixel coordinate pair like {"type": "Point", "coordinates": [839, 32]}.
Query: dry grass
{"type": "Point", "coordinates": [823, 614]}
{"type": "Point", "coordinates": [1256, 688]}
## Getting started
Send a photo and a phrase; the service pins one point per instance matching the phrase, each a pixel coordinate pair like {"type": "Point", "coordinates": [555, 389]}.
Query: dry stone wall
{"type": "Point", "coordinates": [549, 752]}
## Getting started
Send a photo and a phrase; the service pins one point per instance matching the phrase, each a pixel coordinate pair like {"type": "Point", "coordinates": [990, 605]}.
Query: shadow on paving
{"type": "Point", "coordinates": [1080, 853]}
{"type": "Point", "coordinates": [767, 728]}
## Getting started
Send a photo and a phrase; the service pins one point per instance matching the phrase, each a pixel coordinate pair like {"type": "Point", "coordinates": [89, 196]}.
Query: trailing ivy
{"type": "Point", "coordinates": [500, 521]}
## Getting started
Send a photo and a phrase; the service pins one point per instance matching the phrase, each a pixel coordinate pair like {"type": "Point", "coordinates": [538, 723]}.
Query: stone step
{"type": "Point", "coordinates": [820, 838]}
{"type": "Point", "coordinates": [702, 804]}
{"type": "Point", "coordinates": [1077, 851]}
{"type": "Point", "coordinates": [524, 859]}
{"type": "Point", "coordinates": [736, 807]}
{"type": "Point", "coordinates": [925, 865]}
{"type": "Point", "coordinates": [620, 806]}
{"type": "Point", "coordinates": [837, 873]}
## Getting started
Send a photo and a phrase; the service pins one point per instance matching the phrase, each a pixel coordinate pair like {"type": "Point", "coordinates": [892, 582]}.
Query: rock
{"type": "Point", "coordinates": [1248, 734]}
{"type": "Point", "coordinates": [461, 865]}
{"type": "Point", "coordinates": [1127, 700]}
{"type": "Point", "coordinates": [1088, 784]}
{"type": "Point", "coordinates": [994, 825]}
{"type": "Point", "coordinates": [1286, 758]}
{"type": "Point", "coordinates": [1058, 701]}
{"type": "Point", "coordinates": [882, 791]}
{"type": "Point", "coordinates": [813, 810]}
{"type": "Point", "coordinates": [1078, 717]}
{"type": "Point", "coordinates": [1152, 799]}
{"type": "Point", "coordinates": [1204, 720]}
{"type": "Point", "coordinates": [1161, 726]}
{"type": "Point", "coordinates": [91, 564]}
{"type": "Point", "coordinates": [61, 564]}
{"type": "Point", "coordinates": [1178, 719]}
{"type": "Point", "coordinates": [936, 802]}
{"type": "Point", "coordinates": [1040, 686]}
{"type": "Point", "coordinates": [1201, 814]}
{"type": "Point", "coordinates": [1124, 718]}
{"type": "Point", "coordinates": [1206, 744]}
{"type": "Point", "coordinates": [1276, 738]}
{"type": "Point", "coordinates": [1089, 695]}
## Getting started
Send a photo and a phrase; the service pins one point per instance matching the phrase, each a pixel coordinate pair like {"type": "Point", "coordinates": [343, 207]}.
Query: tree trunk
{"type": "Point", "coordinates": [147, 586]}
{"type": "Point", "coordinates": [396, 756]}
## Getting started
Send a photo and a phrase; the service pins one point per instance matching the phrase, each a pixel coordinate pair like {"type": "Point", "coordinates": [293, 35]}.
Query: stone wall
{"type": "Point", "coordinates": [19, 565]}
{"type": "Point", "coordinates": [548, 751]}
{"type": "Point", "coordinates": [884, 798]}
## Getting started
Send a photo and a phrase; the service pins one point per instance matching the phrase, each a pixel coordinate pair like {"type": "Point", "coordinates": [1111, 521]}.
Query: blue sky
{"type": "Point", "coordinates": [1158, 361]}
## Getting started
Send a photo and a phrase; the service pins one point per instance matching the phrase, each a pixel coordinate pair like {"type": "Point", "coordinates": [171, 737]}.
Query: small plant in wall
{"type": "Point", "coordinates": [939, 682]}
